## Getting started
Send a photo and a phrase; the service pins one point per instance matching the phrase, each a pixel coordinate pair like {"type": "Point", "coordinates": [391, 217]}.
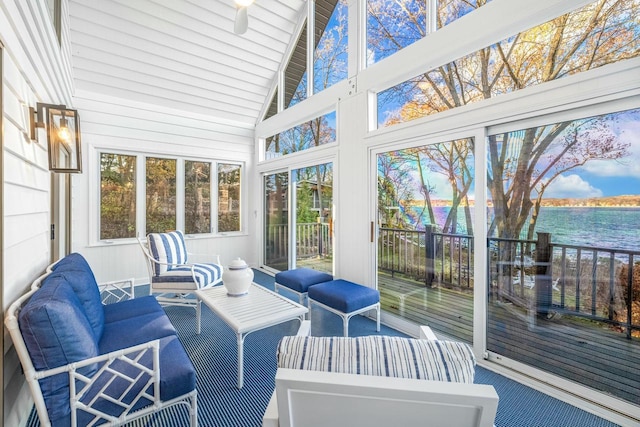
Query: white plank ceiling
{"type": "Point", "coordinates": [182, 54]}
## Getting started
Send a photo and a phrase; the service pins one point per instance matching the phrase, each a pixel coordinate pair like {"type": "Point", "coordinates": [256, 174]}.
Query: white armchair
{"type": "Point", "coordinates": [323, 381]}
{"type": "Point", "coordinates": [172, 275]}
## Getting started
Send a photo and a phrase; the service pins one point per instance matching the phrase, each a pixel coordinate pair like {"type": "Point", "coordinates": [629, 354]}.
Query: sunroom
{"type": "Point", "coordinates": [477, 162]}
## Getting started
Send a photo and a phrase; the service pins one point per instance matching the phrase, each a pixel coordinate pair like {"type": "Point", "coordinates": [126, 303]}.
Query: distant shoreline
{"type": "Point", "coordinates": [543, 205]}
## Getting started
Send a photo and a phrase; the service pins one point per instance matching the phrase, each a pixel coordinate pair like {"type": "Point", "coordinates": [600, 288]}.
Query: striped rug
{"type": "Point", "coordinates": [220, 403]}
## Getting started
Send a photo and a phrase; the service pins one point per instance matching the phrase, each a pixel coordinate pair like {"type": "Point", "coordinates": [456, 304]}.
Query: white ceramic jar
{"type": "Point", "coordinates": [237, 278]}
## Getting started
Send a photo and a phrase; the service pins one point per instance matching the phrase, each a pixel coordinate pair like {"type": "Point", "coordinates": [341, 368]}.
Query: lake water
{"type": "Point", "coordinates": [613, 228]}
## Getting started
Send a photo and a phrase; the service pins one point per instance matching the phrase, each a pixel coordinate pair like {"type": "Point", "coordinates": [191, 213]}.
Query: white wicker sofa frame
{"type": "Point", "coordinates": [136, 367]}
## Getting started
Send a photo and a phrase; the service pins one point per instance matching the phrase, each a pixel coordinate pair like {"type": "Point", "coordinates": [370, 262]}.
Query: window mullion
{"type": "Point", "coordinates": [141, 191]}
{"type": "Point", "coordinates": [180, 194]}
{"type": "Point", "coordinates": [311, 25]}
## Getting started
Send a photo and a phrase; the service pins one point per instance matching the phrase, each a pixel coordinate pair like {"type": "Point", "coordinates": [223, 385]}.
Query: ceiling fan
{"type": "Point", "coordinates": [242, 18]}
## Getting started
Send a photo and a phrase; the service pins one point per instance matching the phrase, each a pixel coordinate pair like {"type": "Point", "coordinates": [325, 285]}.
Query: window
{"type": "Point", "coordinates": [319, 131]}
{"type": "Point", "coordinates": [55, 13]}
{"type": "Point", "coordinates": [393, 25]}
{"type": "Point", "coordinates": [330, 56]}
{"type": "Point", "coordinates": [228, 197]}
{"type": "Point", "coordinates": [117, 196]}
{"type": "Point", "coordinates": [295, 76]}
{"type": "Point", "coordinates": [161, 195]}
{"type": "Point", "coordinates": [584, 39]}
{"type": "Point", "coordinates": [197, 197]}
{"type": "Point", "coordinates": [176, 193]}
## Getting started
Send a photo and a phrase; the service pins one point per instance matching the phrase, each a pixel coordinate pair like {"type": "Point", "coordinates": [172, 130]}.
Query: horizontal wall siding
{"type": "Point", "coordinates": [120, 126]}
{"type": "Point", "coordinates": [35, 69]}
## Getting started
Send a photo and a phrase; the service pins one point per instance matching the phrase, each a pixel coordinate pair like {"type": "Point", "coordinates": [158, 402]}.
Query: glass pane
{"type": "Point", "coordinates": [425, 236]}
{"type": "Point", "coordinates": [229, 197]}
{"type": "Point", "coordinates": [276, 227]}
{"type": "Point", "coordinates": [117, 196]}
{"type": "Point", "coordinates": [314, 220]}
{"type": "Point", "coordinates": [197, 197]}
{"type": "Point", "coordinates": [564, 242]}
{"type": "Point", "coordinates": [319, 131]}
{"type": "Point", "coordinates": [393, 25]}
{"type": "Point", "coordinates": [295, 75]}
{"type": "Point", "coordinates": [589, 38]}
{"type": "Point", "coordinates": [161, 195]}
{"type": "Point", "coordinates": [330, 56]}
{"type": "Point", "coordinates": [450, 10]}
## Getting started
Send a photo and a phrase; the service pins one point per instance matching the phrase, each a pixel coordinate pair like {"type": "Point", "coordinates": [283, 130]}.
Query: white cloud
{"type": "Point", "coordinates": [571, 186]}
{"type": "Point", "coordinates": [627, 166]}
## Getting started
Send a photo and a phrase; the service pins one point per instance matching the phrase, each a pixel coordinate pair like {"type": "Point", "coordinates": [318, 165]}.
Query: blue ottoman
{"type": "Point", "coordinates": [299, 280]}
{"type": "Point", "coordinates": [346, 299]}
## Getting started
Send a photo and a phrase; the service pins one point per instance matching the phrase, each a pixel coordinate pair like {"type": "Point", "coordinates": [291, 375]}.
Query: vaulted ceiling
{"type": "Point", "coordinates": [182, 54]}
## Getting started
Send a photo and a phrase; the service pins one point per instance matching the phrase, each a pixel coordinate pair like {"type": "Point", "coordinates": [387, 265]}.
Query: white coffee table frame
{"type": "Point", "coordinates": [258, 309]}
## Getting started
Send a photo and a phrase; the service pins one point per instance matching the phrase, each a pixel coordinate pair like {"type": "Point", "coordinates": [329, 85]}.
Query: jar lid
{"type": "Point", "coordinates": [238, 264]}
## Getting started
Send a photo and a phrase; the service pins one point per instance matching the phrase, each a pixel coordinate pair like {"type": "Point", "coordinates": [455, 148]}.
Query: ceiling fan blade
{"type": "Point", "coordinates": [242, 21]}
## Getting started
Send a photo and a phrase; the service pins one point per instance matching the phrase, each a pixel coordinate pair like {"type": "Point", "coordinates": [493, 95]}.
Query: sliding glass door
{"type": "Point", "coordinates": [425, 235]}
{"type": "Point", "coordinates": [313, 234]}
{"type": "Point", "coordinates": [310, 242]}
{"type": "Point", "coordinates": [564, 251]}
{"type": "Point", "coordinates": [276, 221]}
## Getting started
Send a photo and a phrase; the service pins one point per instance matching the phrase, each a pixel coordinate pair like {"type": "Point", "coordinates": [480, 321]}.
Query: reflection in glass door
{"type": "Point", "coordinates": [276, 221]}
{"type": "Point", "coordinates": [313, 234]}
{"type": "Point", "coordinates": [564, 247]}
{"type": "Point", "coordinates": [425, 235]}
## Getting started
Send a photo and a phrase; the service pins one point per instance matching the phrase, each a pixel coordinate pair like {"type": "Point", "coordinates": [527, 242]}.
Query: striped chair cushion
{"type": "Point", "coordinates": [380, 355]}
{"type": "Point", "coordinates": [168, 248]}
{"type": "Point", "coordinates": [181, 277]}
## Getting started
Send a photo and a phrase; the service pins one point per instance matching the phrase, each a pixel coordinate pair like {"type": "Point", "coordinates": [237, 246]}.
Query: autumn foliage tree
{"type": "Point", "coordinates": [522, 166]}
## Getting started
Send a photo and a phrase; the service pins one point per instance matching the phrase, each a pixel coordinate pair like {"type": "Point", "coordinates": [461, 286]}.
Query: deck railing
{"type": "Point", "coordinates": [312, 240]}
{"type": "Point", "coordinates": [600, 284]}
{"type": "Point", "coordinates": [427, 256]}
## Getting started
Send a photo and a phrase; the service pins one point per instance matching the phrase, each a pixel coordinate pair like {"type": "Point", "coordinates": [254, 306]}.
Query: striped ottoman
{"type": "Point", "coordinates": [346, 299]}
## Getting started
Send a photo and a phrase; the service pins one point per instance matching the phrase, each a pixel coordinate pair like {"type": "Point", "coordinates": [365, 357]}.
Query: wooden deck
{"type": "Point", "coordinates": [576, 349]}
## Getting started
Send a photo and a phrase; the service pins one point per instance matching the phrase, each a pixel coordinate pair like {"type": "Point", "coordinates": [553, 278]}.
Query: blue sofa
{"type": "Point", "coordinates": [124, 358]}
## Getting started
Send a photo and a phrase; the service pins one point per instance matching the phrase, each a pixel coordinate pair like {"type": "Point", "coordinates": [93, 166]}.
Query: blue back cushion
{"type": "Point", "coordinates": [76, 271]}
{"type": "Point", "coordinates": [167, 248]}
{"type": "Point", "coordinates": [57, 332]}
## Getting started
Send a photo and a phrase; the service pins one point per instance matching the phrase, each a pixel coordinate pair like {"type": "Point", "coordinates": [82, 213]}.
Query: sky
{"type": "Point", "coordinates": [606, 178]}
{"type": "Point", "coordinates": [597, 178]}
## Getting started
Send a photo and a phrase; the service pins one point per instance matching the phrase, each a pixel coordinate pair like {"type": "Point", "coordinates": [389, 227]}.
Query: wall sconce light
{"type": "Point", "coordinates": [63, 135]}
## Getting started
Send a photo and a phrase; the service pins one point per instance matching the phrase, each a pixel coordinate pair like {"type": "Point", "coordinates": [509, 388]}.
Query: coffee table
{"type": "Point", "coordinates": [258, 309]}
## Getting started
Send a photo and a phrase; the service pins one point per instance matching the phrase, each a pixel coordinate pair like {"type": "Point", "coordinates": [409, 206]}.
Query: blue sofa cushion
{"type": "Point", "coordinates": [299, 279]}
{"type": "Point", "coordinates": [135, 330]}
{"type": "Point", "coordinates": [76, 271]}
{"type": "Point", "coordinates": [131, 308]}
{"type": "Point", "coordinates": [74, 261]}
{"type": "Point", "coordinates": [57, 332]}
{"type": "Point", "coordinates": [343, 295]}
{"type": "Point", "coordinates": [178, 377]}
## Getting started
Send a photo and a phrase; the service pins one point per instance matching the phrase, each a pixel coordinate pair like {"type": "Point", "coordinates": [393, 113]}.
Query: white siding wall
{"type": "Point", "coordinates": [115, 125]}
{"type": "Point", "coordinates": [36, 69]}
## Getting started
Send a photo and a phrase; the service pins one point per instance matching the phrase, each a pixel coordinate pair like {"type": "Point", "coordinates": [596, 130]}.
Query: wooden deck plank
{"type": "Point", "coordinates": [575, 349]}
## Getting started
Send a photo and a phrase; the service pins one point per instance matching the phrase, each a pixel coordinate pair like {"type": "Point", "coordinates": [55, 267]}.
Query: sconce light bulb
{"type": "Point", "coordinates": [64, 134]}
{"type": "Point", "coordinates": [244, 3]}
